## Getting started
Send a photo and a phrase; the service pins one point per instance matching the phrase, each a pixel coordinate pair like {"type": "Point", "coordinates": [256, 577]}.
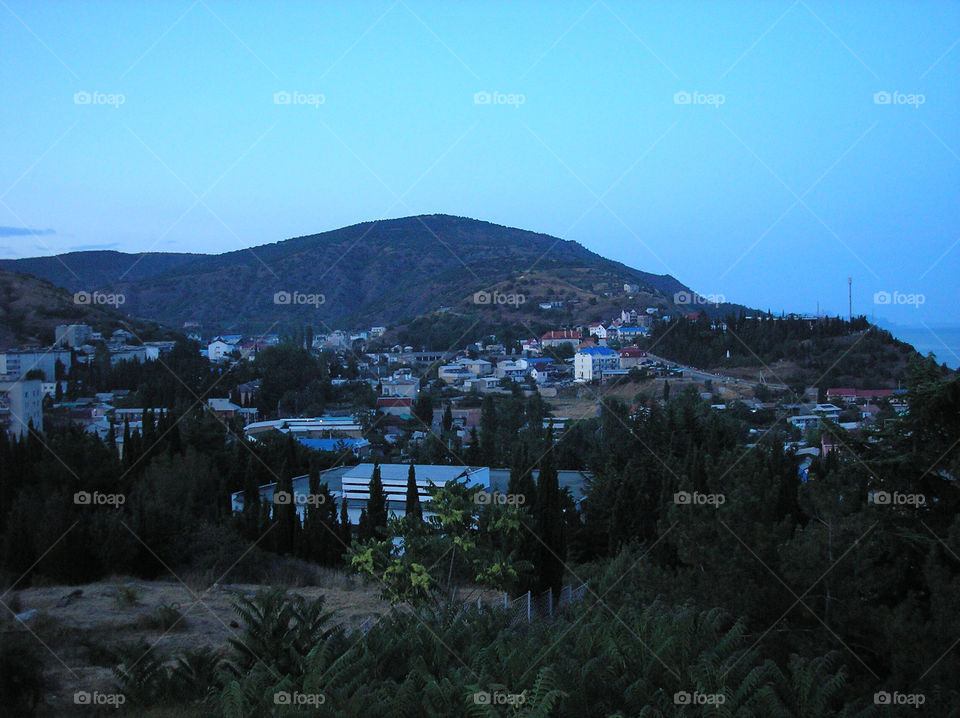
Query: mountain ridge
{"type": "Point", "coordinates": [378, 271]}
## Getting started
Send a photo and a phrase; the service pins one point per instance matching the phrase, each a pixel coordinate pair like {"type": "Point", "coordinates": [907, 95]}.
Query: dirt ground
{"type": "Point", "coordinates": [583, 402]}
{"type": "Point", "coordinates": [76, 639]}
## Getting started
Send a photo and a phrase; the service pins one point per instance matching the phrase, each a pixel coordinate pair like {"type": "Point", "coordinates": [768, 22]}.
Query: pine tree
{"type": "Point", "coordinates": [413, 510]}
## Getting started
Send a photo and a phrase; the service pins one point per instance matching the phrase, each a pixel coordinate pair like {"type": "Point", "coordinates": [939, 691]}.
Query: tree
{"type": "Point", "coordinates": [553, 551]}
{"type": "Point", "coordinates": [376, 514]}
{"type": "Point", "coordinates": [320, 541]}
{"type": "Point", "coordinates": [422, 409]}
{"type": "Point", "coordinates": [666, 390]}
{"type": "Point", "coordinates": [284, 514]}
{"type": "Point", "coordinates": [488, 431]}
{"type": "Point", "coordinates": [346, 530]}
{"type": "Point", "coordinates": [446, 423]}
{"type": "Point", "coordinates": [413, 510]}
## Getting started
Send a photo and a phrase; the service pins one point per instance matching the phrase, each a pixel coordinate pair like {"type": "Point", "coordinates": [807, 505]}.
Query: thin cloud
{"type": "Point", "coordinates": [93, 247]}
{"type": "Point", "coordinates": [24, 232]}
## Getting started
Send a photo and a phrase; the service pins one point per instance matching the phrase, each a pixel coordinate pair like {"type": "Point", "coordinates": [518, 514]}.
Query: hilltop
{"type": "Point", "coordinates": [382, 272]}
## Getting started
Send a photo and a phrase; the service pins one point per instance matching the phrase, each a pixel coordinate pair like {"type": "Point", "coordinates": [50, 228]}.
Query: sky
{"type": "Point", "coordinates": [764, 152]}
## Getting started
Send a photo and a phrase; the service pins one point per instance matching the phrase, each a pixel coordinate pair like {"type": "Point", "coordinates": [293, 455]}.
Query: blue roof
{"type": "Point", "coordinates": [334, 444]}
{"type": "Point", "coordinates": [601, 351]}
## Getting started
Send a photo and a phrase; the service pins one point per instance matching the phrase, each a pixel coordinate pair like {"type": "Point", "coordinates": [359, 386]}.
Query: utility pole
{"type": "Point", "coordinates": [850, 296]}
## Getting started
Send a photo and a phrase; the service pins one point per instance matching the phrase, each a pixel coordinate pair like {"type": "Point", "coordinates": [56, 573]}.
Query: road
{"type": "Point", "coordinates": [700, 375]}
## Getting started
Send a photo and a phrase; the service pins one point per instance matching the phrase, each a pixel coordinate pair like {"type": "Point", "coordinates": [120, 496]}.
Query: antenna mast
{"type": "Point", "coordinates": [850, 297]}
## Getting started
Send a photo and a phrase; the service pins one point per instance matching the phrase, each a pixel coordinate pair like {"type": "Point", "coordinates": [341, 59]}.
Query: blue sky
{"type": "Point", "coordinates": [783, 175]}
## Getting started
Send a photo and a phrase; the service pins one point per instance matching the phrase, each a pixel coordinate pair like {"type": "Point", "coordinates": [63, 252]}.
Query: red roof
{"type": "Point", "coordinates": [841, 392]}
{"type": "Point", "coordinates": [565, 334]}
{"type": "Point", "coordinates": [394, 401]}
{"type": "Point", "coordinates": [860, 393]}
{"type": "Point", "coordinates": [632, 352]}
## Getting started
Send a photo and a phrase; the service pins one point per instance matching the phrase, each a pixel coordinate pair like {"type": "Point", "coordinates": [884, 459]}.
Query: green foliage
{"type": "Point", "coordinates": [279, 630]}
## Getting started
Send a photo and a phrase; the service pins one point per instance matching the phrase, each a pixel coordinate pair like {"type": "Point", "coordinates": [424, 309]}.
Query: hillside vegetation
{"type": "Point", "coordinates": [379, 272]}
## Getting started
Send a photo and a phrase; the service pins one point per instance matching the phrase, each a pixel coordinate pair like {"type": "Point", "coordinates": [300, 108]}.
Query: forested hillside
{"type": "Point", "coordinates": [712, 569]}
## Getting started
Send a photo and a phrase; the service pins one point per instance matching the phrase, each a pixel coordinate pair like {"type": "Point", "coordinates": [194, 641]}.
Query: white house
{"type": "Point", "coordinates": [405, 387]}
{"type": "Point", "coordinates": [598, 330]}
{"type": "Point", "coordinates": [220, 348]}
{"type": "Point", "coordinates": [479, 367]}
{"type": "Point", "coordinates": [590, 362]}
{"type": "Point", "coordinates": [516, 369]}
{"type": "Point", "coordinates": [454, 373]}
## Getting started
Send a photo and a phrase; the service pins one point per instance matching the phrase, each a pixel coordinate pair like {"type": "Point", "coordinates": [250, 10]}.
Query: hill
{"type": "Point", "coordinates": [387, 271]}
{"type": "Point", "coordinates": [31, 309]}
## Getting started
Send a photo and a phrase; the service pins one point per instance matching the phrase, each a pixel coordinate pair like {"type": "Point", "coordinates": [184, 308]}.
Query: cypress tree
{"type": "Point", "coordinates": [364, 531]}
{"type": "Point", "coordinates": [473, 456]}
{"type": "Point", "coordinates": [413, 510]}
{"type": "Point", "coordinates": [346, 530]}
{"type": "Point", "coordinates": [446, 423]}
{"type": "Point", "coordinates": [552, 552]}
{"type": "Point", "coordinates": [251, 502]}
{"type": "Point", "coordinates": [285, 513]}
{"type": "Point", "coordinates": [488, 431]}
{"type": "Point", "coordinates": [377, 504]}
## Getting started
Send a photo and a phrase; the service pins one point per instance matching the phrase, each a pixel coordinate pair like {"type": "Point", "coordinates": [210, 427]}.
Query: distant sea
{"type": "Point", "coordinates": [932, 339]}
